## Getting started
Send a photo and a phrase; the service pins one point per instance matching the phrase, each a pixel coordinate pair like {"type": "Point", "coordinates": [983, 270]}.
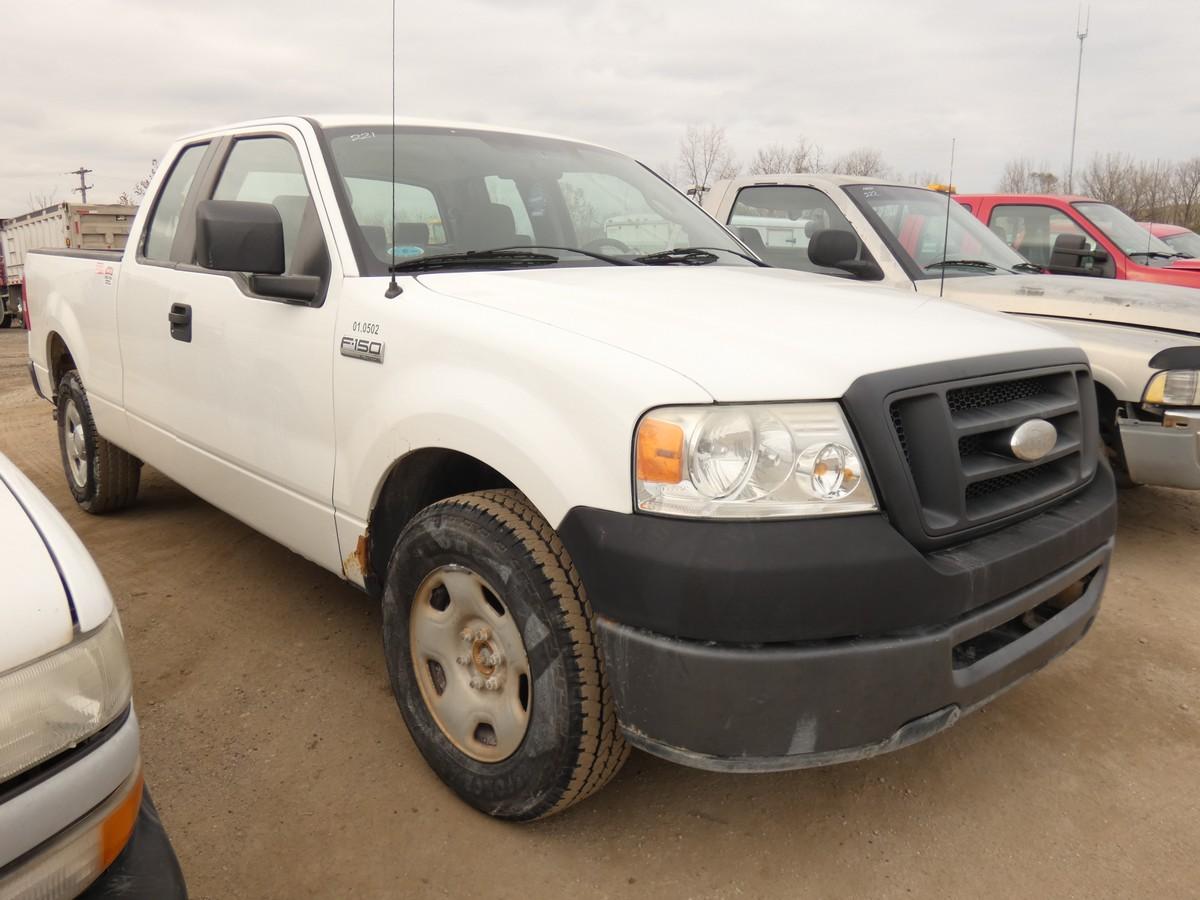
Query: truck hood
{"type": "Point", "coordinates": [1078, 297]}
{"type": "Point", "coordinates": [35, 614]}
{"type": "Point", "coordinates": [743, 333]}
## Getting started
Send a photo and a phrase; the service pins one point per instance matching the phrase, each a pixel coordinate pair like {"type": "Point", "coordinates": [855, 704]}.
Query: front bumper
{"type": "Point", "coordinates": [769, 646]}
{"type": "Point", "coordinates": [147, 868]}
{"type": "Point", "coordinates": [1164, 453]}
{"type": "Point", "coordinates": [144, 866]}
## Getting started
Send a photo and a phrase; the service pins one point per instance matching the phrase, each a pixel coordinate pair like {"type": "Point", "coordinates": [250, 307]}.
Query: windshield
{"type": "Point", "coordinates": [912, 222]}
{"type": "Point", "coordinates": [462, 191]}
{"type": "Point", "coordinates": [1128, 235]}
{"type": "Point", "coordinates": [1185, 242]}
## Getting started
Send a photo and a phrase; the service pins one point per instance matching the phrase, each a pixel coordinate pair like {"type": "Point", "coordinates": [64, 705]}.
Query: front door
{"type": "Point", "coordinates": [236, 402]}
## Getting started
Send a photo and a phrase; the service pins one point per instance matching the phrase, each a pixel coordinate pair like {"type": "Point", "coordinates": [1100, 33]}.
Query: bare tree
{"type": "Point", "coordinates": [779, 159]}
{"type": "Point", "coordinates": [1112, 177]}
{"type": "Point", "coordinates": [1185, 193]}
{"type": "Point", "coordinates": [1154, 191]}
{"type": "Point", "coordinates": [42, 198]}
{"type": "Point", "coordinates": [143, 185]}
{"type": "Point", "coordinates": [1045, 182]}
{"type": "Point", "coordinates": [705, 157]}
{"type": "Point", "coordinates": [861, 161]}
{"type": "Point", "coordinates": [1017, 177]}
{"type": "Point", "coordinates": [1024, 176]}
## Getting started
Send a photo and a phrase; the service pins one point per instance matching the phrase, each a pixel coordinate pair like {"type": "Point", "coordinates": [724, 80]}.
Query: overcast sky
{"type": "Point", "coordinates": [110, 84]}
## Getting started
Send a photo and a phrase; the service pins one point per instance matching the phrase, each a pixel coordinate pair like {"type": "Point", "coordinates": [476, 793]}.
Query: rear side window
{"type": "Point", "coordinates": [268, 170]}
{"type": "Point", "coordinates": [164, 221]}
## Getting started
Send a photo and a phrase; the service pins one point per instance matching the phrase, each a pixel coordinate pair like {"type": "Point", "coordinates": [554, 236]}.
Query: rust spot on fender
{"type": "Point", "coordinates": [356, 564]}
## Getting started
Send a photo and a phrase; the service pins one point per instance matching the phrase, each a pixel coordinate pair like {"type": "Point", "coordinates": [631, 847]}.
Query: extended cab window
{"type": "Point", "coordinates": [164, 221]}
{"type": "Point", "coordinates": [268, 170]}
{"type": "Point", "coordinates": [1032, 230]}
{"type": "Point", "coordinates": [778, 221]}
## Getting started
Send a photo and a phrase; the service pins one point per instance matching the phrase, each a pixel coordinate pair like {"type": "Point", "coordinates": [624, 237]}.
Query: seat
{"type": "Point", "coordinates": [753, 239]}
{"type": "Point", "coordinates": [492, 225]}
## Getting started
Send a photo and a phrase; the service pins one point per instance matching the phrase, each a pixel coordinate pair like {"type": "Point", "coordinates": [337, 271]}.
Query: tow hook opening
{"type": "Point", "coordinates": [983, 645]}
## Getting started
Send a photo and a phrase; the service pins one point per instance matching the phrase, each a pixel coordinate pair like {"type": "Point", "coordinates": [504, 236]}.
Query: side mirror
{"type": "Point", "coordinates": [238, 236]}
{"type": "Point", "coordinates": [1069, 253]}
{"type": "Point", "coordinates": [833, 248]}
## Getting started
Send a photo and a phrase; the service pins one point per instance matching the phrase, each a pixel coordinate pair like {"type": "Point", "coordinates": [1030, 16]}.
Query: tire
{"type": "Point", "coordinates": [6, 320]}
{"type": "Point", "coordinates": [101, 476]}
{"type": "Point", "coordinates": [494, 545]}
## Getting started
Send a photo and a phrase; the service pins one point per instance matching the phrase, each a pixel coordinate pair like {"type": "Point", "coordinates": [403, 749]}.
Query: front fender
{"type": "Point", "coordinates": [550, 410]}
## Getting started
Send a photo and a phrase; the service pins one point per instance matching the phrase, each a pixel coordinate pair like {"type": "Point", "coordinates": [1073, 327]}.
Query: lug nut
{"type": "Point", "coordinates": [467, 635]}
{"type": "Point", "coordinates": [477, 682]}
{"type": "Point", "coordinates": [492, 684]}
{"type": "Point", "coordinates": [482, 635]}
{"type": "Point", "coordinates": [463, 660]}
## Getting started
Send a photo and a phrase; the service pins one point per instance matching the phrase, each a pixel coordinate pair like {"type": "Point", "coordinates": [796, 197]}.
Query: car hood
{"type": "Point", "coordinates": [1078, 297]}
{"type": "Point", "coordinates": [744, 333]}
{"type": "Point", "coordinates": [35, 614]}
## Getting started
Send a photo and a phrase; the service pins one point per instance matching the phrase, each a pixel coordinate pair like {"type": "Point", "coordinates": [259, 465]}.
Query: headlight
{"type": "Point", "coordinates": [1179, 387]}
{"type": "Point", "coordinates": [757, 461]}
{"type": "Point", "coordinates": [61, 699]}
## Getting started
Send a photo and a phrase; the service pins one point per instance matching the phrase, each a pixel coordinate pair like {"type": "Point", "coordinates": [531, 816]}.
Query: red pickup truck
{"type": "Point", "coordinates": [1070, 235]}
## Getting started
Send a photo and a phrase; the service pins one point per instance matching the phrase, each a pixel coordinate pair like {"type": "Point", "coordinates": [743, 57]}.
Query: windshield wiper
{"type": "Point", "coordinates": [514, 258]}
{"type": "Point", "coordinates": [615, 260]}
{"type": "Point", "coordinates": [682, 256]}
{"type": "Point", "coordinates": [1027, 267]}
{"type": "Point", "coordinates": [975, 263]}
{"type": "Point", "coordinates": [1157, 254]}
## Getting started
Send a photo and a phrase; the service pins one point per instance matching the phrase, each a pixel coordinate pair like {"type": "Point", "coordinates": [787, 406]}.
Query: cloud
{"type": "Point", "coordinates": [110, 84]}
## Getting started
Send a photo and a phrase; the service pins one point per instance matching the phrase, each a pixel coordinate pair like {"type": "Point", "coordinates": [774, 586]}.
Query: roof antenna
{"type": "Point", "coordinates": [393, 290]}
{"type": "Point", "coordinates": [946, 233]}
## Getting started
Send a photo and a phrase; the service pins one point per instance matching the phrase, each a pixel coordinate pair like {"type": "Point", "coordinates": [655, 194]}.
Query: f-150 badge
{"type": "Point", "coordinates": [361, 348]}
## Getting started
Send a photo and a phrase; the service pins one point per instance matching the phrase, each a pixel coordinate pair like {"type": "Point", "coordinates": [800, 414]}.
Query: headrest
{"type": "Point", "coordinates": [410, 233]}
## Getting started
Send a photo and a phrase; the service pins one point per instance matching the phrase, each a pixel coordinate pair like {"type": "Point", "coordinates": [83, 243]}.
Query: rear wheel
{"type": "Point", "coordinates": [493, 660]}
{"type": "Point", "coordinates": [102, 477]}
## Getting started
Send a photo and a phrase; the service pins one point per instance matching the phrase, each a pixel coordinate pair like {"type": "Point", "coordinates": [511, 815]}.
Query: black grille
{"type": "Point", "coordinates": [898, 424]}
{"type": "Point", "coordinates": [984, 395]}
{"type": "Point", "coordinates": [978, 489]}
{"type": "Point", "coordinates": [956, 442]}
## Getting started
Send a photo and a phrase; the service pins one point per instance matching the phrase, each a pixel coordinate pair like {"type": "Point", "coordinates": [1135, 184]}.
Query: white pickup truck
{"type": "Point", "coordinates": [737, 517]}
{"type": "Point", "coordinates": [1143, 340]}
{"type": "Point", "coordinates": [75, 813]}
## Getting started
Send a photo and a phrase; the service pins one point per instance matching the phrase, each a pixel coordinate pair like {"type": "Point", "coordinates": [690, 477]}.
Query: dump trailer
{"type": "Point", "coordinates": [79, 226]}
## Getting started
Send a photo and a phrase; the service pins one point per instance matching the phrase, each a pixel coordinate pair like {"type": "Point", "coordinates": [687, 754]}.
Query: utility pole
{"type": "Point", "coordinates": [1081, 34]}
{"type": "Point", "coordinates": [84, 187]}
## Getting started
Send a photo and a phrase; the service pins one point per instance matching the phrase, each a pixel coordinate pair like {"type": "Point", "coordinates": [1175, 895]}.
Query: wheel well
{"type": "Point", "coordinates": [415, 481]}
{"type": "Point", "coordinates": [59, 359]}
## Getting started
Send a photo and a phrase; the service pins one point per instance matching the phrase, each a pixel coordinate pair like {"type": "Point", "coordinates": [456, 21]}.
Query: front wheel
{"type": "Point", "coordinates": [493, 660]}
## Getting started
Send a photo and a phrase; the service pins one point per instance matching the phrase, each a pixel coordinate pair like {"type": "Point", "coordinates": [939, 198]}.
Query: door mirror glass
{"type": "Point", "coordinates": [239, 236]}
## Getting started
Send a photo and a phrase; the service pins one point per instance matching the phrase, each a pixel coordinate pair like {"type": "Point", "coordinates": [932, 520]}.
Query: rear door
{"type": "Point", "coordinates": [238, 406]}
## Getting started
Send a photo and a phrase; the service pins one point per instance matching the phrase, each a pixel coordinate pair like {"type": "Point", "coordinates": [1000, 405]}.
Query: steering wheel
{"type": "Point", "coordinates": [598, 245]}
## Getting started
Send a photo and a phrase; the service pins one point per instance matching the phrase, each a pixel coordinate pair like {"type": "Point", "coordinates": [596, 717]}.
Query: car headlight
{"type": "Point", "coordinates": [774, 460]}
{"type": "Point", "coordinates": [57, 701]}
{"type": "Point", "coordinates": [1178, 387]}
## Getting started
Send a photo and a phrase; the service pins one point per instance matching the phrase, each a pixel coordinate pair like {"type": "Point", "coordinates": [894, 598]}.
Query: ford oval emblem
{"type": "Point", "coordinates": [1033, 439]}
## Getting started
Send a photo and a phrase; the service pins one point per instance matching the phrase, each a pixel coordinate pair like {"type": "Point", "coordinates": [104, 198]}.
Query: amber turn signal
{"type": "Point", "coordinates": [659, 452]}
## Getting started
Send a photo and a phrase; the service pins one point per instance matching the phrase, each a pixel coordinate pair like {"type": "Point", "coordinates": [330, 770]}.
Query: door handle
{"type": "Point", "coordinates": [180, 318]}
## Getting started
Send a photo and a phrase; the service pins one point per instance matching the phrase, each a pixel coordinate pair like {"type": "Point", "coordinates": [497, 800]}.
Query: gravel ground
{"type": "Point", "coordinates": [282, 767]}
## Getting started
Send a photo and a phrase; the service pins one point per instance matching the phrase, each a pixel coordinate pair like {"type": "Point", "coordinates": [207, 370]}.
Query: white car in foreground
{"type": "Point", "coordinates": [75, 814]}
